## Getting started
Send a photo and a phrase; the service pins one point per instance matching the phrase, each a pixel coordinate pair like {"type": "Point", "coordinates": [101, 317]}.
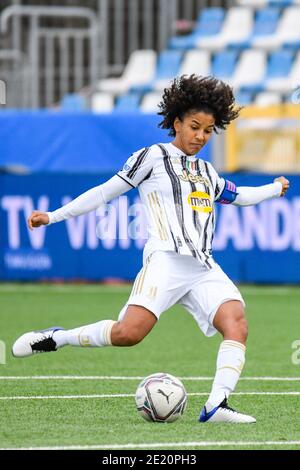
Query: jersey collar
{"type": "Point", "coordinates": [175, 151]}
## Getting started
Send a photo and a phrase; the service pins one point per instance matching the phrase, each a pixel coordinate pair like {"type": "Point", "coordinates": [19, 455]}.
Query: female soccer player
{"type": "Point", "coordinates": [178, 191]}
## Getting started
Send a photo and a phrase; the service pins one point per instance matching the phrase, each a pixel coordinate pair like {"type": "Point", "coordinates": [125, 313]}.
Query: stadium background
{"type": "Point", "coordinates": [80, 83]}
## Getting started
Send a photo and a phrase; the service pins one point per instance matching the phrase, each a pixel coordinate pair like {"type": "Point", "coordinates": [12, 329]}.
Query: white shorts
{"type": "Point", "coordinates": [169, 278]}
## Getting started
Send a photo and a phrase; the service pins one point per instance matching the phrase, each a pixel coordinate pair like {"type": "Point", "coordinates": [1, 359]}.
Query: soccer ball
{"type": "Point", "coordinates": [161, 397]}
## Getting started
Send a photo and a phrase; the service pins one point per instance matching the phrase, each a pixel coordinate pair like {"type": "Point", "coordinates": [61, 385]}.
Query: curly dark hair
{"type": "Point", "coordinates": [193, 94]}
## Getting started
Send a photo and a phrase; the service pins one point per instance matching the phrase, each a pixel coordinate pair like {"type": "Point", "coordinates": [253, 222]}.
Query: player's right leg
{"type": "Point", "coordinates": [134, 325]}
{"type": "Point", "coordinates": [158, 286]}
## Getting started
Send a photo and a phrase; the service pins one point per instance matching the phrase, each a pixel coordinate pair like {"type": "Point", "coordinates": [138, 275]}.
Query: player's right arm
{"type": "Point", "coordinates": [86, 202]}
{"type": "Point", "coordinates": [134, 171]}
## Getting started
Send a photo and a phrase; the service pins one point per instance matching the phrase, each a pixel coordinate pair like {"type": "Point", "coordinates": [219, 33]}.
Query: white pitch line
{"type": "Point", "coordinates": [111, 288]}
{"type": "Point", "coordinates": [127, 395]}
{"type": "Point", "coordinates": [106, 290]}
{"type": "Point", "coordinates": [116, 377]}
{"type": "Point", "coordinates": [150, 445]}
{"type": "Point", "coordinates": [68, 397]}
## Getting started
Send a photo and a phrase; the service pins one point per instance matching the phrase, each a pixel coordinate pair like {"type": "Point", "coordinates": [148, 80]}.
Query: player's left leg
{"type": "Point", "coordinates": [217, 305]}
{"type": "Point", "coordinates": [230, 321]}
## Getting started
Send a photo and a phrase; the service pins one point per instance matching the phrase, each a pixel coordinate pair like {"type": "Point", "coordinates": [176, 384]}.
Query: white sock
{"type": "Point", "coordinates": [94, 335]}
{"type": "Point", "coordinates": [230, 362]}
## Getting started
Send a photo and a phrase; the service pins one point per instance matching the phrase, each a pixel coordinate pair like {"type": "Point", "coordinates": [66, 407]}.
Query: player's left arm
{"type": "Point", "coordinates": [248, 195]}
{"type": "Point", "coordinates": [228, 193]}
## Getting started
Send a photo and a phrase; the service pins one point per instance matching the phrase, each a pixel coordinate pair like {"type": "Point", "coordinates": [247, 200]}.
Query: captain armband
{"type": "Point", "coordinates": [229, 193]}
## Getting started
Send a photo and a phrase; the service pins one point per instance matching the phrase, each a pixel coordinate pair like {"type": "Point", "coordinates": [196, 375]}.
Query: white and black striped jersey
{"type": "Point", "coordinates": [178, 193]}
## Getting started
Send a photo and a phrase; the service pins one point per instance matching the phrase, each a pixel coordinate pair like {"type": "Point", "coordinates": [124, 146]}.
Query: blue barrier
{"type": "Point", "coordinates": [77, 142]}
{"type": "Point", "coordinates": [253, 244]}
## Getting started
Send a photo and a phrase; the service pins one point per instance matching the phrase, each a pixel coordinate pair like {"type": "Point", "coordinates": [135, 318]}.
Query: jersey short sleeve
{"type": "Point", "coordinates": [137, 168]}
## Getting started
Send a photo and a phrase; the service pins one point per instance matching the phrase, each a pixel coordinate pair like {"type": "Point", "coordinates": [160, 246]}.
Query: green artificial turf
{"type": "Point", "coordinates": [176, 345]}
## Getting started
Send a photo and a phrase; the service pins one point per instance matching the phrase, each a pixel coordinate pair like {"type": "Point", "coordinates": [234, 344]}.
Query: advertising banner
{"type": "Point", "coordinates": [252, 244]}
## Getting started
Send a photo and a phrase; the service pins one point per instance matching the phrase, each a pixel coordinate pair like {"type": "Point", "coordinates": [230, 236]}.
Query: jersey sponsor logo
{"type": "Point", "coordinates": [189, 178]}
{"type": "Point", "coordinates": [200, 201]}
